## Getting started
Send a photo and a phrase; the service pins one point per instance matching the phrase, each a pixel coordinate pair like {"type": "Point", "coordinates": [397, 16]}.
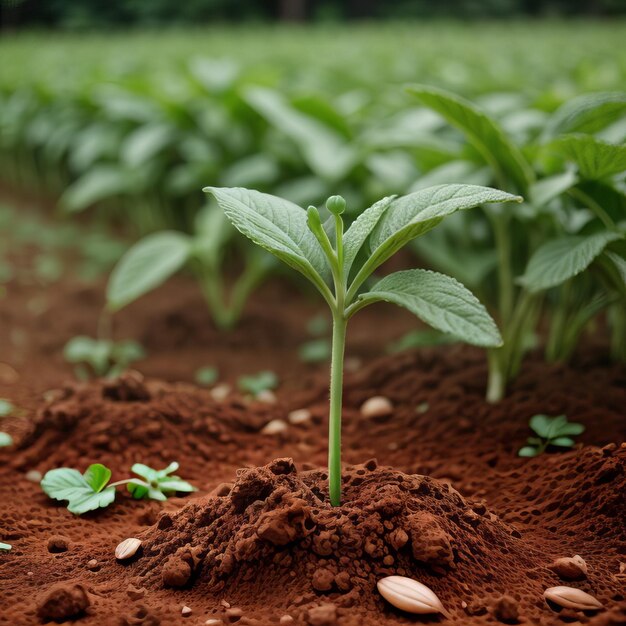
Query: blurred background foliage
{"type": "Point", "coordinates": [103, 13]}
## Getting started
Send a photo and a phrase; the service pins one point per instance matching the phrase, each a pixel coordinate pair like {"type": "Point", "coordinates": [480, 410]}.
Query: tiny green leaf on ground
{"type": "Point", "coordinates": [157, 484]}
{"type": "Point", "coordinates": [5, 547]}
{"type": "Point", "coordinates": [5, 439]}
{"type": "Point", "coordinates": [256, 383]}
{"type": "Point", "coordinates": [206, 375]}
{"type": "Point", "coordinates": [69, 484]}
{"type": "Point", "coordinates": [551, 431]}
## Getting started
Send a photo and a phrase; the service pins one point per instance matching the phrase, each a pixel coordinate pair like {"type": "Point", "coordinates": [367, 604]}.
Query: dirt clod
{"type": "Point", "coordinates": [58, 543]}
{"type": "Point", "coordinates": [322, 615]}
{"type": "Point", "coordinates": [63, 601]}
{"type": "Point", "coordinates": [506, 610]}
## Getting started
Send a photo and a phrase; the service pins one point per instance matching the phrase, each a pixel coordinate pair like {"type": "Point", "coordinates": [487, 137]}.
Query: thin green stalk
{"type": "Point", "coordinates": [334, 418]}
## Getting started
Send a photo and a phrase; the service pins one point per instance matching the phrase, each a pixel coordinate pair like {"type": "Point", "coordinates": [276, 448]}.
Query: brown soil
{"type": "Point", "coordinates": [446, 501]}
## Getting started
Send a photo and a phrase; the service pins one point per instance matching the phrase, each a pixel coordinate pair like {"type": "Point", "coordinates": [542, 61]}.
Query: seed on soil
{"type": "Point", "coordinates": [34, 476]}
{"type": "Point", "coordinates": [376, 406]}
{"type": "Point", "coordinates": [299, 416]}
{"type": "Point", "coordinates": [58, 543]}
{"type": "Point", "coordinates": [92, 565]}
{"type": "Point", "coordinates": [274, 427]}
{"type": "Point", "coordinates": [571, 598]}
{"type": "Point", "coordinates": [570, 568]}
{"type": "Point", "coordinates": [234, 613]}
{"type": "Point", "coordinates": [410, 595]}
{"type": "Point", "coordinates": [220, 392]}
{"type": "Point", "coordinates": [266, 396]}
{"type": "Point", "coordinates": [186, 611]}
{"type": "Point", "coordinates": [127, 548]}
{"type": "Point", "coordinates": [213, 622]}
{"type": "Point", "coordinates": [286, 620]}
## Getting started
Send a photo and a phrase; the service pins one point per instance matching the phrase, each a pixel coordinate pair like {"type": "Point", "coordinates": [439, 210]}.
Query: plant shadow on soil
{"type": "Point", "coordinates": [446, 501]}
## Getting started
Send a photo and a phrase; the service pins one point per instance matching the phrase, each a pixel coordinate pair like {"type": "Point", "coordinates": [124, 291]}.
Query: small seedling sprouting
{"type": "Point", "coordinates": [254, 384]}
{"type": "Point", "coordinates": [101, 357]}
{"type": "Point", "coordinates": [92, 490]}
{"type": "Point", "coordinates": [339, 265]}
{"type": "Point", "coordinates": [551, 431]}
{"type": "Point", "coordinates": [207, 376]}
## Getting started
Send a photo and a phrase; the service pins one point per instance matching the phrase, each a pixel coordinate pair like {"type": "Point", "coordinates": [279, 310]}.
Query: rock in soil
{"type": "Point", "coordinates": [63, 601]}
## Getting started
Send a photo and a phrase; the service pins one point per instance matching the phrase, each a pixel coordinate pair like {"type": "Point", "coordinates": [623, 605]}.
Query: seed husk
{"type": "Point", "coordinates": [571, 598]}
{"type": "Point", "coordinates": [299, 416]}
{"type": "Point", "coordinates": [127, 548]}
{"type": "Point", "coordinates": [570, 568]}
{"type": "Point", "coordinates": [376, 406]}
{"type": "Point", "coordinates": [410, 595]}
{"type": "Point", "coordinates": [274, 427]}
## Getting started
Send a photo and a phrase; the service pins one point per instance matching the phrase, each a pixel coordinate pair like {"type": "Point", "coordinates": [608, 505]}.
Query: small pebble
{"type": "Point", "coordinates": [220, 392]}
{"type": "Point", "coordinates": [34, 476]}
{"type": "Point", "coordinates": [570, 568]}
{"type": "Point", "coordinates": [213, 622]}
{"type": "Point", "coordinates": [58, 543]}
{"type": "Point", "coordinates": [274, 427]}
{"type": "Point", "coordinates": [127, 548]}
{"type": "Point", "coordinates": [376, 406]}
{"type": "Point", "coordinates": [93, 565]}
{"type": "Point", "coordinates": [267, 396]}
{"type": "Point", "coordinates": [225, 604]}
{"type": "Point", "coordinates": [285, 620]}
{"type": "Point", "coordinates": [186, 611]}
{"type": "Point", "coordinates": [299, 416]}
{"type": "Point", "coordinates": [505, 610]}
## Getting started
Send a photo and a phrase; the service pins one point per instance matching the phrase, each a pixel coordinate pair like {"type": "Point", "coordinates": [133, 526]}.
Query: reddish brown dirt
{"type": "Point", "coordinates": [482, 526]}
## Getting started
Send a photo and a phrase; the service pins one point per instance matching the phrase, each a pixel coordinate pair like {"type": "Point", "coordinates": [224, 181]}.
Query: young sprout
{"type": "Point", "coordinates": [92, 490]}
{"type": "Point", "coordinates": [340, 263]}
{"type": "Point", "coordinates": [551, 431]}
{"type": "Point", "coordinates": [101, 357]}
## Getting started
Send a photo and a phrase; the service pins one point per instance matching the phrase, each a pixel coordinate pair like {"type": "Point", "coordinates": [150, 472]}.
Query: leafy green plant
{"type": "Point", "coordinates": [92, 489]}
{"type": "Point", "coordinates": [341, 269]}
{"type": "Point", "coordinates": [101, 357]}
{"type": "Point", "coordinates": [156, 257]}
{"type": "Point", "coordinates": [550, 431]}
{"type": "Point", "coordinates": [254, 384]}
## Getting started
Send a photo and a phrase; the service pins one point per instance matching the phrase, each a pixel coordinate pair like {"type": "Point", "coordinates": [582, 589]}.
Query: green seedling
{"type": "Point", "coordinates": [158, 256]}
{"type": "Point", "coordinates": [254, 384]}
{"type": "Point", "coordinates": [551, 431]}
{"type": "Point", "coordinates": [92, 490]}
{"type": "Point", "coordinates": [5, 547]}
{"type": "Point", "coordinates": [101, 357]}
{"type": "Point", "coordinates": [339, 264]}
{"type": "Point", "coordinates": [206, 376]}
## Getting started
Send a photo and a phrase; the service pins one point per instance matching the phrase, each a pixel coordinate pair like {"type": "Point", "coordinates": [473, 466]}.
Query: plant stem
{"type": "Point", "coordinates": [334, 418]}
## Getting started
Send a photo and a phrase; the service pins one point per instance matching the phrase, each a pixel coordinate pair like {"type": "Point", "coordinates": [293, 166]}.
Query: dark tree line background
{"type": "Point", "coordinates": [125, 13]}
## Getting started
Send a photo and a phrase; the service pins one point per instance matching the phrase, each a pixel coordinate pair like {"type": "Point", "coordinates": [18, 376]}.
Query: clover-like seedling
{"type": "Point", "coordinates": [92, 490]}
{"type": "Point", "coordinates": [157, 484]}
{"type": "Point", "coordinates": [257, 383]}
{"type": "Point", "coordinates": [551, 431]}
{"type": "Point", "coordinates": [101, 357]}
{"type": "Point", "coordinates": [339, 264]}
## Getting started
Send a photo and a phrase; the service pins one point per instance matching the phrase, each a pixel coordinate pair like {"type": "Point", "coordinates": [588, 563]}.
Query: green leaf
{"type": "Point", "coordinates": [99, 183]}
{"type": "Point", "coordinates": [277, 225]}
{"type": "Point", "coordinates": [541, 424]}
{"type": "Point", "coordinates": [360, 230]}
{"type": "Point", "coordinates": [206, 375]}
{"type": "Point", "coordinates": [158, 483]}
{"type": "Point", "coordinates": [441, 302]}
{"type": "Point", "coordinates": [564, 442]}
{"type": "Point", "coordinates": [413, 215]}
{"type": "Point", "coordinates": [5, 546]}
{"type": "Point", "coordinates": [5, 439]}
{"type": "Point", "coordinates": [588, 113]}
{"type": "Point", "coordinates": [423, 338]}
{"type": "Point", "coordinates": [561, 259]}
{"type": "Point", "coordinates": [481, 131]}
{"type": "Point", "coordinates": [326, 153]}
{"type": "Point", "coordinates": [97, 476]}
{"type": "Point", "coordinates": [145, 266]}
{"type": "Point", "coordinates": [569, 428]}
{"type": "Point", "coordinates": [528, 451]}
{"type": "Point", "coordinates": [257, 383]}
{"type": "Point", "coordinates": [69, 484]}
{"type": "Point", "coordinates": [144, 144]}
{"type": "Point", "coordinates": [546, 189]}
{"type": "Point", "coordinates": [315, 351]}
{"type": "Point", "coordinates": [595, 159]}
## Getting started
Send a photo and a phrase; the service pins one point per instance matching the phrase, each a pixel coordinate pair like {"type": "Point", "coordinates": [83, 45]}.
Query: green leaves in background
{"type": "Point", "coordinates": [595, 159]}
{"type": "Point", "coordinates": [256, 383]}
{"type": "Point", "coordinates": [563, 258]}
{"type": "Point", "coordinates": [441, 302]}
{"type": "Point", "coordinates": [145, 266]}
{"type": "Point", "coordinates": [481, 131]}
